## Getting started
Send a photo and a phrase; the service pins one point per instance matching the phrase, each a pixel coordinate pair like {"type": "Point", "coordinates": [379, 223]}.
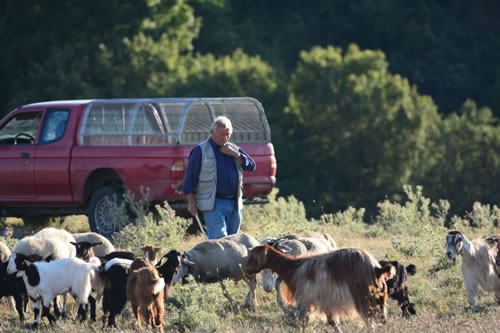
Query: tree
{"type": "Point", "coordinates": [362, 129]}
{"type": "Point", "coordinates": [464, 166]}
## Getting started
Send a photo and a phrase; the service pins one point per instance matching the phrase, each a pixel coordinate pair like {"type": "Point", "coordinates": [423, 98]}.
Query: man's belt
{"type": "Point", "coordinates": [226, 197]}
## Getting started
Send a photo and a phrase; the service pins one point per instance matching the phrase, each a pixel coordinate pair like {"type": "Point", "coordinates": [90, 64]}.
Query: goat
{"type": "Point", "coordinates": [337, 284]}
{"type": "Point", "coordinates": [45, 280]}
{"type": "Point", "coordinates": [114, 276]}
{"type": "Point", "coordinates": [168, 270]}
{"type": "Point", "coordinates": [478, 263]}
{"type": "Point", "coordinates": [216, 260]}
{"type": "Point", "coordinates": [13, 286]}
{"type": "Point", "coordinates": [397, 287]}
{"type": "Point", "coordinates": [145, 293]}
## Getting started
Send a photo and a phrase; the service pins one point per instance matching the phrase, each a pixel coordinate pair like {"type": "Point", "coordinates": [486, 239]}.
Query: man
{"type": "Point", "coordinates": [214, 179]}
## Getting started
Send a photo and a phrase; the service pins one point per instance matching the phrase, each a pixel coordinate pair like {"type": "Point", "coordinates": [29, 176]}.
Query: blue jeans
{"type": "Point", "coordinates": [224, 220]}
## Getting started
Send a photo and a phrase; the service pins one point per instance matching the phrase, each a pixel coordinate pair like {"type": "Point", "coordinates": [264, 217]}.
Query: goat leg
{"type": "Point", "coordinates": [18, 300]}
{"type": "Point", "coordinates": [230, 299]}
{"type": "Point", "coordinates": [92, 303]}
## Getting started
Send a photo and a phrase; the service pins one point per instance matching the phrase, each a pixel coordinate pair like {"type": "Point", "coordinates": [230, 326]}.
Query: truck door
{"type": "Point", "coordinates": [18, 138]}
{"type": "Point", "coordinates": [53, 154]}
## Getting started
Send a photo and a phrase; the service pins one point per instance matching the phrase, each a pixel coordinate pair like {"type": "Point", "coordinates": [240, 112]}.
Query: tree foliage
{"type": "Point", "coordinates": [363, 128]}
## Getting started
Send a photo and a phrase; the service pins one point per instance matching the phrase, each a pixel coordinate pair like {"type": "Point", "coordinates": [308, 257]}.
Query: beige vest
{"type": "Point", "coordinates": [207, 180]}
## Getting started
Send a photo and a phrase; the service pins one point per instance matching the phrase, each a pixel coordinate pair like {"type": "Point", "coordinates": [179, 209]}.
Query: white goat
{"type": "Point", "coordinates": [45, 280]}
{"type": "Point", "coordinates": [478, 263]}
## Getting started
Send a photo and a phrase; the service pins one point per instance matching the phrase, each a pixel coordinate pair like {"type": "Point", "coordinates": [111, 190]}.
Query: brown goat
{"type": "Point", "coordinates": [338, 284]}
{"type": "Point", "coordinates": [145, 293]}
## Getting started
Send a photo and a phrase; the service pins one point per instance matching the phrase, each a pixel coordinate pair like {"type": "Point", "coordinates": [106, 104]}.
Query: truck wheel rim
{"type": "Point", "coordinates": [103, 223]}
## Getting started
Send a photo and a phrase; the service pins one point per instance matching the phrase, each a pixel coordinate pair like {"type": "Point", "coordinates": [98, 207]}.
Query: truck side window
{"type": "Point", "coordinates": [54, 125]}
{"type": "Point", "coordinates": [21, 129]}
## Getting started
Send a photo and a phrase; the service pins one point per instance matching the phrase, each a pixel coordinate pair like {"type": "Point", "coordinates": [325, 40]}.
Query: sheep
{"type": "Point", "coordinates": [216, 260]}
{"type": "Point", "coordinates": [316, 235]}
{"type": "Point", "coordinates": [311, 242]}
{"type": "Point", "coordinates": [243, 238]}
{"type": "Point", "coordinates": [478, 263]}
{"type": "Point", "coordinates": [44, 280]}
{"type": "Point", "coordinates": [341, 283]}
{"type": "Point", "coordinates": [397, 287]}
{"type": "Point", "coordinates": [101, 249]}
{"type": "Point", "coordinates": [4, 252]}
{"type": "Point", "coordinates": [145, 293]}
{"type": "Point", "coordinates": [114, 277]}
{"type": "Point", "coordinates": [13, 287]}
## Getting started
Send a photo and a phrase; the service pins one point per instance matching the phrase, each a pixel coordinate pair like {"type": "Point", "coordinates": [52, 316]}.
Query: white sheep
{"type": "Point", "coordinates": [45, 280]}
{"type": "Point", "coordinates": [478, 263]}
{"type": "Point", "coordinates": [4, 252]}
{"type": "Point", "coordinates": [93, 237]}
{"type": "Point", "coordinates": [216, 260]}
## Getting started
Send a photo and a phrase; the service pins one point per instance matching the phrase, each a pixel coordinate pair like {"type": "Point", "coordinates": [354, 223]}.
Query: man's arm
{"type": "Point", "coordinates": [246, 162]}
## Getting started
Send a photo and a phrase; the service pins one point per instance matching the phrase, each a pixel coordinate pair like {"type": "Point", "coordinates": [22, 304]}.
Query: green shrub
{"type": "Point", "coordinates": [415, 213]}
{"type": "Point", "coordinates": [483, 216]}
{"type": "Point", "coordinates": [165, 230]}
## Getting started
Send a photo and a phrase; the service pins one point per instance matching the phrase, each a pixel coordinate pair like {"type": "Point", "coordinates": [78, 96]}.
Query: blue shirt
{"type": "Point", "coordinates": [227, 174]}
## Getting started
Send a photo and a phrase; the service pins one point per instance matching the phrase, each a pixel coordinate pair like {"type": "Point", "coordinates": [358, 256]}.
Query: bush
{"type": "Point", "coordinates": [413, 215]}
{"type": "Point", "coordinates": [165, 230]}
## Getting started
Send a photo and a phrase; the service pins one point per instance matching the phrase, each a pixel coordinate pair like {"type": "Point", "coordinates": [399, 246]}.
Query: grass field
{"type": "Point", "coordinates": [437, 289]}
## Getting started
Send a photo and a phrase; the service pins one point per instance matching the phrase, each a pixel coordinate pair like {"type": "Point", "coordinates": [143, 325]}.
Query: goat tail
{"type": "Point", "coordinates": [158, 286]}
{"type": "Point", "coordinates": [411, 269]}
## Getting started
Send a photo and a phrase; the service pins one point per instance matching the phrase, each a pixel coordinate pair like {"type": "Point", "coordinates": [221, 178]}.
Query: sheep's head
{"type": "Point", "coordinates": [454, 245]}
{"type": "Point", "coordinates": [184, 268]}
{"type": "Point", "coordinates": [84, 249]}
{"type": "Point", "coordinates": [258, 259]}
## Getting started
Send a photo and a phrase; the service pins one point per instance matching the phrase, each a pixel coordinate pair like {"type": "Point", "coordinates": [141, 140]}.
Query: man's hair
{"type": "Point", "coordinates": [221, 121]}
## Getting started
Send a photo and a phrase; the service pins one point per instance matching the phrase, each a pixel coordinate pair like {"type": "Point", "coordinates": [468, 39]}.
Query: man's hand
{"type": "Point", "coordinates": [229, 150]}
{"type": "Point", "coordinates": [192, 206]}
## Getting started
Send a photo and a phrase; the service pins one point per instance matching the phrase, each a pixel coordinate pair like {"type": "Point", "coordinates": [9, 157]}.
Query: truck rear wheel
{"type": "Point", "coordinates": [99, 210]}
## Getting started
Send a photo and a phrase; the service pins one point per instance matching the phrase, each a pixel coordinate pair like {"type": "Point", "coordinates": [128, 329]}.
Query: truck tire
{"type": "Point", "coordinates": [98, 210]}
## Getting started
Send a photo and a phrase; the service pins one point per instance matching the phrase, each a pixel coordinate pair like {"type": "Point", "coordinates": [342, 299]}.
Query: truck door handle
{"type": "Point", "coordinates": [25, 155]}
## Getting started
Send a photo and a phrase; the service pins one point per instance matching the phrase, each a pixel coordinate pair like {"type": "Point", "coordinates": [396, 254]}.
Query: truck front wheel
{"type": "Point", "coordinates": [100, 220]}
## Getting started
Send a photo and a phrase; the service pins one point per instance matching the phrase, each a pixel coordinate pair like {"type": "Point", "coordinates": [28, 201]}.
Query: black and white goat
{"type": "Point", "coordinates": [478, 263]}
{"type": "Point", "coordinates": [45, 280]}
{"type": "Point", "coordinates": [397, 287]}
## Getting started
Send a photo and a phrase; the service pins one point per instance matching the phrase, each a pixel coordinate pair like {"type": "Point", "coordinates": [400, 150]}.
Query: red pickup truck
{"type": "Point", "coordinates": [65, 157]}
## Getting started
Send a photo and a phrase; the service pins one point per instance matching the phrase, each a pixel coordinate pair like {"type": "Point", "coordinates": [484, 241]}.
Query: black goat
{"type": "Point", "coordinates": [11, 285]}
{"type": "Point", "coordinates": [397, 287]}
{"type": "Point", "coordinates": [114, 295]}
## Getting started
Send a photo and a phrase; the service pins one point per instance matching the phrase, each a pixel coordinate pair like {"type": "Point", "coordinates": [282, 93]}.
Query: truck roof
{"type": "Point", "coordinates": [131, 100]}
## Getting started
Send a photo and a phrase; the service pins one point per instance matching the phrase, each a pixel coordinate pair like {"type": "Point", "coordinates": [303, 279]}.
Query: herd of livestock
{"type": "Point", "coordinates": [307, 270]}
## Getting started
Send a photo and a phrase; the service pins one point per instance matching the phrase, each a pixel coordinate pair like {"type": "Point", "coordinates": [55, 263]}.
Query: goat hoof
{"type": "Point", "coordinates": [34, 326]}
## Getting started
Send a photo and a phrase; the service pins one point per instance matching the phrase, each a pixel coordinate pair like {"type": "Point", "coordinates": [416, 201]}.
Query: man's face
{"type": "Point", "coordinates": [221, 135]}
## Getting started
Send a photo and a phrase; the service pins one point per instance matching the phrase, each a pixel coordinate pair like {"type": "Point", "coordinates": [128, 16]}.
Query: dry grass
{"type": "Point", "coordinates": [438, 294]}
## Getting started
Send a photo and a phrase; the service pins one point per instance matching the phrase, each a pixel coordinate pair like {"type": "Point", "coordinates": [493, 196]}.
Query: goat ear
{"type": "Point", "coordinates": [186, 261]}
{"type": "Point", "coordinates": [75, 244]}
{"type": "Point", "coordinates": [95, 244]}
